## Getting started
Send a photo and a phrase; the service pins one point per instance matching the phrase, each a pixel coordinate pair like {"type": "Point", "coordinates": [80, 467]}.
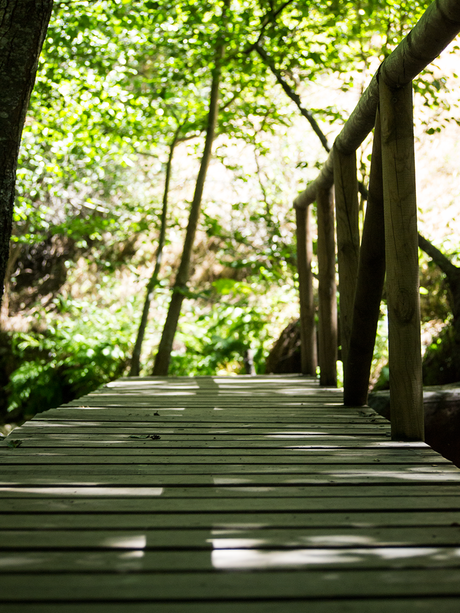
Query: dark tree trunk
{"type": "Point", "coordinates": [23, 26]}
{"type": "Point", "coordinates": [163, 356]}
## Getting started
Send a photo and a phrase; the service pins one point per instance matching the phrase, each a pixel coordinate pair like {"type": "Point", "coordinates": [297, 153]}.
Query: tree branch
{"type": "Point", "coordinates": [438, 258]}
{"type": "Point", "coordinates": [292, 95]}
{"type": "Point", "coordinates": [269, 17]}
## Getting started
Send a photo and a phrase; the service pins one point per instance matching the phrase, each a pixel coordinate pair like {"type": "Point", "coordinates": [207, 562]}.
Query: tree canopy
{"type": "Point", "coordinates": [119, 81]}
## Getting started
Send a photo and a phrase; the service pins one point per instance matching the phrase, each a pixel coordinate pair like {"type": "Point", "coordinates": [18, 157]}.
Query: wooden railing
{"type": "Point", "coordinates": [389, 241]}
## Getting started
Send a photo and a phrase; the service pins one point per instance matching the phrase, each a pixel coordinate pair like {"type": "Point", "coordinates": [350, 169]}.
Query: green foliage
{"type": "Point", "coordinates": [115, 82]}
{"type": "Point", "coordinates": [434, 292]}
{"type": "Point", "coordinates": [72, 357]}
{"type": "Point", "coordinates": [441, 362]}
{"type": "Point", "coordinates": [216, 339]}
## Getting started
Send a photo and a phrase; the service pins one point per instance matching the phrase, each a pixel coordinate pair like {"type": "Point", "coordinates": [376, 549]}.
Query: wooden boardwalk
{"type": "Point", "coordinates": [224, 495]}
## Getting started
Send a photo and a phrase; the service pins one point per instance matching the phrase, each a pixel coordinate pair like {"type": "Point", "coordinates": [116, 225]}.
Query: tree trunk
{"type": "Point", "coordinates": [23, 26]}
{"type": "Point", "coordinates": [163, 356]}
{"type": "Point", "coordinates": [135, 361]}
{"type": "Point", "coordinates": [15, 252]}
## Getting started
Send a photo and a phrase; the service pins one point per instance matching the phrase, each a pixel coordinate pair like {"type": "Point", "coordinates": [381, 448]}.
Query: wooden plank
{"type": "Point", "coordinates": [159, 504]}
{"type": "Point", "coordinates": [216, 456]}
{"type": "Point", "coordinates": [218, 586]}
{"type": "Point", "coordinates": [328, 605]}
{"type": "Point", "coordinates": [236, 490]}
{"type": "Point", "coordinates": [238, 538]}
{"type": "Point", "coordinates": [51, 561]}
{"type": "Point", "coordinates": [89, 427]}
{"type": "Point", "coordinates": [85, 478]}
{"type": "Point", "coordinates": [204, 433]}
{"type": "Point", "coordinates": [195, 463]}
{"type": "Point", "coordinates": [222, 472]}
{"type": "Point", "coordinates": [91, 516]}
{"type": "Point", "coordinates": [158, 438]}
{"type": "Point", "coordinates": [216, 411]}
{"type": "Point", "coordinates": [174, 446]}
{"type": "Point", "coordinates": [337, 519]}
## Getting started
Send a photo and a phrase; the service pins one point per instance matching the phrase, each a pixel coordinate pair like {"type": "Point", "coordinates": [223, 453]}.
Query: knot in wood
{"type": "Point", "coordinates": [403, 306]}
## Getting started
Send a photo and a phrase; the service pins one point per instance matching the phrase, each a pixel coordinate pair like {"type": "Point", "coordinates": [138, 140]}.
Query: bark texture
{"type": "Point", "coordinates": [23, 26]}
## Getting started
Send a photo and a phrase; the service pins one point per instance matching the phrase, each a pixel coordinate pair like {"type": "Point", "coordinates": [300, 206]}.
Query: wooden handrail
{"type": "Point", "coordinates": [391, 89]}
{"type": "Point", "coordinates": [437, 27]}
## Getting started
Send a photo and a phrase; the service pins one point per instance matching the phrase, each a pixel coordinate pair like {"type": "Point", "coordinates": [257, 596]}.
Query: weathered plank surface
{"type": "Point", "coordinates": [149, 494]}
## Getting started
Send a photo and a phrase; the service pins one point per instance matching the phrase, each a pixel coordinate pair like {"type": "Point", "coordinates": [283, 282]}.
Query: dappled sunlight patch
{"type": "Point", "coordinates": [400, 444]}
{"type": "Point", "coordinates": [10, 561]}
{"type": "Point", "coordinates": [86, 491]}
{"type": "Point", "coordinates": [235, 543]}
{"type": "Point", "coordinates": [136, 541]}
{"type": "Point", "coordinates": [231, 528]}
{"type": "Point", "coordinates": [132, 555]}
{"type": "Point", "coordinates": [411, 474]}
{"type": "Point", "coordinates": [301, 434]}
{"type": "Point", "coordinates": [231, 480]}
{"type": "Point", "coordinates": [250, 489]}
{"type": "Point", "coordinates": [264, 559]}
{"type": "Point", "coordinates": [302, 404]}
{"type": "Point", "coordinates": [65, 425]}
{"type": "Point", "coordinates": [337, 540]}
{"type": "Point", "coordinates": [233, 559]}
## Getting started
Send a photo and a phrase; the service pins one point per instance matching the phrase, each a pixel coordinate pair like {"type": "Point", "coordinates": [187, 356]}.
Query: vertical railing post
{"type": "Point", "coordinates": [371, 276]}
{"type": "Point", "coordinates": [327, 290]}
{"type": "Point", "coordinates": [307, 307]}
{"type": "Point", "coordinates": [347, 211]}
{"type": "Point", "coordinates": [401, 246]}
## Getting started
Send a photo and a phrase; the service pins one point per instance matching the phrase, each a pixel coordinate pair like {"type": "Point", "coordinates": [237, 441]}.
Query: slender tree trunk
{"type": "Point", "coordinates": [135, 361]}
{"type": "Point", "coordinates": [163, 356]}
{"type": "Point", "coordinates": [23, 26]}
